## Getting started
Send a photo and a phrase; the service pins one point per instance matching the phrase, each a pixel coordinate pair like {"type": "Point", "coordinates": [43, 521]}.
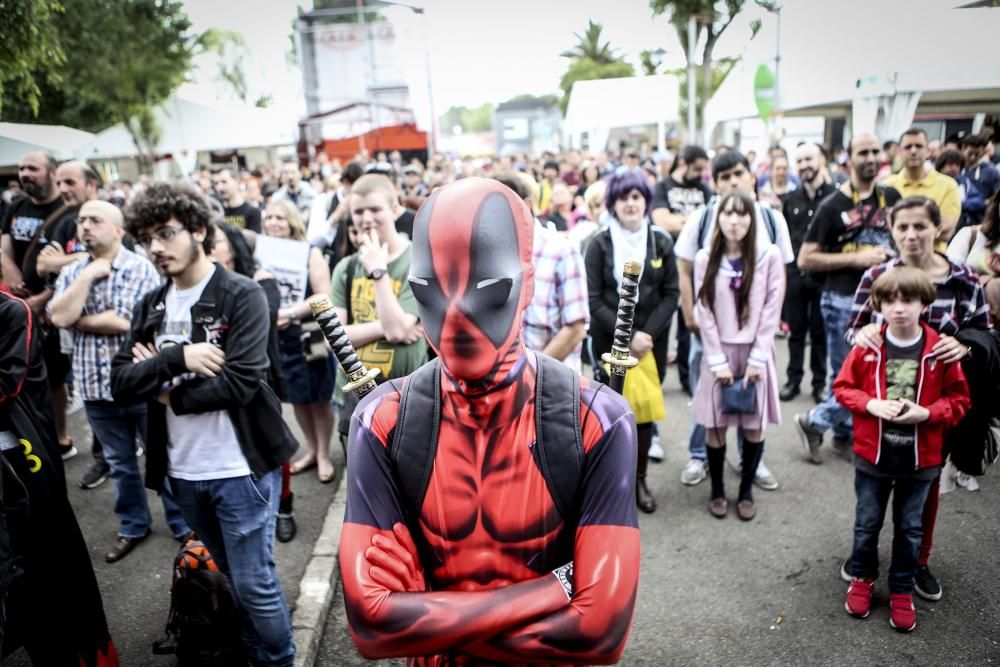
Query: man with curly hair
{"type": "Point", "coordinates": [197, 354]}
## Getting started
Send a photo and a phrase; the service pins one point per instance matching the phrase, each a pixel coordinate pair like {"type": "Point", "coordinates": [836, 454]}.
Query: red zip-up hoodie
{"type": "Point", "coordinates": [941, 388]}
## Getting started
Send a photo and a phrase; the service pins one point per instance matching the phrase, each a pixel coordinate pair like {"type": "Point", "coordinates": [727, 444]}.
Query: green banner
{"type": "Point", "coordinates": [763, 91]}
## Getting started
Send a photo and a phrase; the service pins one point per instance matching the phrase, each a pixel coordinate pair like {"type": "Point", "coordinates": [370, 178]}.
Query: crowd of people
{"type": "Point", "coordinates": [155, 305]}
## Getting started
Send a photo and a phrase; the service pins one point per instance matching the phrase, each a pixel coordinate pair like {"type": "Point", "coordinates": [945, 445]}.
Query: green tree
{"type": "Point", "coordinates": [30, 52]}
{"type": "Point", "coordinates": [589, 46]}
{"type": "Point", "coordinates": [713, 16]}
{"type": "Point", "coordinates": [122, 59]}
{"type": "Point", "coordinates": [590, 59]}
{"type": "Point", "coordinates": [478, 119]}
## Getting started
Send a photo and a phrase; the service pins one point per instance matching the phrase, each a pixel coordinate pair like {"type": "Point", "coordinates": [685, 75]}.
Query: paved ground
{"type": "Point", "coordinates": [768, 592]}
{"type": "Point", "coordinates": [712, 592]}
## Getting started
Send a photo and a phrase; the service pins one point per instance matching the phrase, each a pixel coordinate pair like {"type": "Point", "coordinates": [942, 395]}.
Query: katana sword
{"type": "Point", "coordinates": [360, 380]}
{"type": "Point", "coordinates": [619, 358]}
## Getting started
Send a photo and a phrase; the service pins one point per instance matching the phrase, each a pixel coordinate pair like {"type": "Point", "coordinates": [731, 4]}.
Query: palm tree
{"type": "Point", "coordinates": [590, 46]}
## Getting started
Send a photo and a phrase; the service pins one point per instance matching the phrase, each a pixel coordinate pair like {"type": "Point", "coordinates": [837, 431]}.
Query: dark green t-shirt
{"type": "Point", "coordinates": [394, 360]}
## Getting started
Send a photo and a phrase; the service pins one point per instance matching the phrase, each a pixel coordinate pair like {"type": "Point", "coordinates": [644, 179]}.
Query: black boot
{"type": "Point", "coordinates": [285, 528]}
{"type": "Point", "coordinates": [751, 459]}
{"type": "Point", "coordinates": [643, 498]}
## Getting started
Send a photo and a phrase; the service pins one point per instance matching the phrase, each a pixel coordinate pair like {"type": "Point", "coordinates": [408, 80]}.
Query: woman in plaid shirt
{"type": "Point", "coordinates": [960, 304]}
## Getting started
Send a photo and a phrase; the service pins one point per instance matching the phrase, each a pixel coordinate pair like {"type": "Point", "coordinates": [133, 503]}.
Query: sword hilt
{"type": "Point", "coordinates": [360, 379]}
{"type": "Point", "coordinates": [619, 358]}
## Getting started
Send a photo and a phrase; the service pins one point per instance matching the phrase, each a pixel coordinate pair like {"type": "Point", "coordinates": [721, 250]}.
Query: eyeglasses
{"type": "Point", "coordinates": [163, 234]}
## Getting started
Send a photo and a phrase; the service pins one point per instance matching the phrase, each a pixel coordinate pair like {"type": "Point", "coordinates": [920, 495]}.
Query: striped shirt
{"type": "Point", "coordinates": [960, 303]}
{"type": "Point", "coordinates": [131, 277]}
{"type": "Point", "coordinates": [561, 296]}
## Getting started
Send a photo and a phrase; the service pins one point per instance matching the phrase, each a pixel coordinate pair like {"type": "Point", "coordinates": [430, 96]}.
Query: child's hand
{"type": "Point", "coordinates": [912, 413]}
{"type": "Point", "coordinates": [724, 377]}
{"type": "Point", "coordinates": [752, 376]}
{"type": "Point", "coordinates": [884, 409]}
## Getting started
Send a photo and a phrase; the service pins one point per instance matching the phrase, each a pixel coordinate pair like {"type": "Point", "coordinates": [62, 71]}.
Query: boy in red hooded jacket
{"type": "Point", "coordinates": [904, 401]}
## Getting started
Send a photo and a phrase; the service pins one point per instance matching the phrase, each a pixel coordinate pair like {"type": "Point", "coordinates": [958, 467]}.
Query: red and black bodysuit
{"type": "Point", "coordinates": [483, 591]}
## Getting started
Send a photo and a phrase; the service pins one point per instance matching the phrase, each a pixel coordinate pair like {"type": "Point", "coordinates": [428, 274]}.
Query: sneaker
{"type": "Point", "coordinates": [68, 450]}
{"type": "Point", "coordinates": [97, 475]}
{"type": "Point", "coordinates": [694, 473]}
{"type": "Point", "coordinates": [967, 482]}
{"type": "Point", "coordinates": [927, 585]}
{"type": "Point", "coordinates": [655, 450]}
{"type": "Point", "coordinates": [812, 439]}
{"type": "Point", "coordinates": [846, 573]}
{"type": "Point", "coordinates": [764, 478]}
{"type": "Point", "coordinates": [902, 615]}
{"type": "Point", "coordinates": [859, 597]}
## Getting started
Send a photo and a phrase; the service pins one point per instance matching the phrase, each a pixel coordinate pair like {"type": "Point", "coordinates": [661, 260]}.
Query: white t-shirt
{"type": "Point", "coordinates": [687, 246]}
{"type": "Point", "coordinates": [199, 446]}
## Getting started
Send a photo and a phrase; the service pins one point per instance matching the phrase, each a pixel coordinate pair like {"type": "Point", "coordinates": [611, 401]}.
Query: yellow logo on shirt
{"type": "Point", "coordinates": [656, 263]}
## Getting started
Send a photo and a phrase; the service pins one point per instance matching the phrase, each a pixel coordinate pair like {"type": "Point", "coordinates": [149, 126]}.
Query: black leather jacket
{"type": "Point", "coordinates": [233, 314]}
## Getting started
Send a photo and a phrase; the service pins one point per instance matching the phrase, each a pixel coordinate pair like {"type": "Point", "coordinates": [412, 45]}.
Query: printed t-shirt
{"type": "Point", "coordinates": [394, 360]}
{"type": "Point", "coordinates": [204, 445]}
{"type": "Point", "coordinates": [841, 226]}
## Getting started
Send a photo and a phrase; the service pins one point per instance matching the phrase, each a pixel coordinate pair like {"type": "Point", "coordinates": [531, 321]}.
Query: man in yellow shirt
{"type": "Point", "coordinates": [916, 178]}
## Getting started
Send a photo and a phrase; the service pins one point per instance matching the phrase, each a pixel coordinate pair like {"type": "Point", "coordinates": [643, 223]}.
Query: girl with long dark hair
{"type": "Point", "coordinates": [740, 289]}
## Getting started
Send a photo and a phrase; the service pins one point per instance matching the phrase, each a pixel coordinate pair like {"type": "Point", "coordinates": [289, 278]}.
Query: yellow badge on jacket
{"type": "Point", "coordinates": [656, 263]}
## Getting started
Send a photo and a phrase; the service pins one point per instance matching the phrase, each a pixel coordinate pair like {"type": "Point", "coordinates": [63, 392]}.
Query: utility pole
{"type": "Point", "coordinates": [692, 97]}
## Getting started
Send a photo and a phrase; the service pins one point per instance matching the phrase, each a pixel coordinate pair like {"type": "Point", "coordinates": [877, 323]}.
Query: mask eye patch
{"type": "Point", "coordinates": [494, 292]}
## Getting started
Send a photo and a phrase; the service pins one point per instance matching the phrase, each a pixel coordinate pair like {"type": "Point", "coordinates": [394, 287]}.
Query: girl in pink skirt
{"type": "Point", "coordinates": [740, 289]}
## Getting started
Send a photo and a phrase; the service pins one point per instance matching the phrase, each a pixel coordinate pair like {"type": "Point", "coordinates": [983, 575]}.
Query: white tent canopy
{"type": "Point", "coordinates": [60, 141]}
{"type": "Point", "coordinates": [857, 57]}
{"type": "Point", "coordinates": [599, 106]}
{"type": "Point", "coordinates": [188, 128]}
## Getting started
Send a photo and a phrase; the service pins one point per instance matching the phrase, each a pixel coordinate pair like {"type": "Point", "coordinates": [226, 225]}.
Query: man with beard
{"type": "Point", "coordinates": [30, 224]}
{"type": "Point", "coordinates": [849, 233]}
{"type": "Point", "coordinates": [802, 290]}
{"type": "Point", "coordinates": [235, 208]}
{"type": "Point", "coordinates": [674, 200]}
{"type": "Point", "coordinates": [95, 297]}
{"type": "Point", "coordinates": [77, 184]}
{"type": "Point", "coordinates": [197, 356]}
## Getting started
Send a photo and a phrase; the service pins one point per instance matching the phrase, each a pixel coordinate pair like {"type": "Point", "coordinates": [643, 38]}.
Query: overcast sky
{"type": "Point", "coordinates": [479, 50]}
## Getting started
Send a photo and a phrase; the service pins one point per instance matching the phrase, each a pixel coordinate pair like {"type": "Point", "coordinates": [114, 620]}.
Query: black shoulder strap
{"type": "Point", "coordinates": [705, 222]}
{"type": "Point", "coordinates": [558, 439]}
{"type": "Point", "coordinates": [417, 424]}
{"type": "Point", "coordinates": [772, 225]}
{"type": "Point", "coordinates": [352, 266]}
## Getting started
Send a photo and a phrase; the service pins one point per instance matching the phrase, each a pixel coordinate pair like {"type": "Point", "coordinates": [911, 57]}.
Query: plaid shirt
{"type": "Point", "coordinates": [560, 292]}
{"type": "Point", "coordinates": [960, 303]}
{"type": "Point", "coordinates": [131, 277]}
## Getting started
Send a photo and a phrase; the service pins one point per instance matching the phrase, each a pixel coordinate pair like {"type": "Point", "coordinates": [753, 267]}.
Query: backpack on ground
{"type": "Point", "coordinates": [558, 449]}
{"type": "Point", "coordinates": [204, 625]}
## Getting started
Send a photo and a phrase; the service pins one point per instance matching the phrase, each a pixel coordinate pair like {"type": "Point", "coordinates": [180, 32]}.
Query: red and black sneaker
{"type": "Point", "coordinates": [902, 615]}
{"type": "Point", "coordinates": [859, 597]}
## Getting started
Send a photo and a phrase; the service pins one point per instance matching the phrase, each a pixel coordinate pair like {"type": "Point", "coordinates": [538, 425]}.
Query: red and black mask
{"type": "Point", "coordinates": [472, 275]}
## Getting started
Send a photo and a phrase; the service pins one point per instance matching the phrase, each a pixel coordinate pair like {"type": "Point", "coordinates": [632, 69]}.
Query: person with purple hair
{"type": "Point", "coordinates": [630, 235]}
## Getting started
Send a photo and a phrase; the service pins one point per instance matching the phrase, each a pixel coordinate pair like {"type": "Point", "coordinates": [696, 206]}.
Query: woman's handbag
{"type": "Point", "coordinates": [738, 399]}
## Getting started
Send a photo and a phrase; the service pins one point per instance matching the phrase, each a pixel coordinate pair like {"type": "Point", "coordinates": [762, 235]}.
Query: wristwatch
{"type": "Point", "coordinates": [376, 274]}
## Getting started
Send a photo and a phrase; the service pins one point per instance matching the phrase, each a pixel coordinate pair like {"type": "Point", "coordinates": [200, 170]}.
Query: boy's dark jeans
{"type": "Point", "coordinates": [908, 497]}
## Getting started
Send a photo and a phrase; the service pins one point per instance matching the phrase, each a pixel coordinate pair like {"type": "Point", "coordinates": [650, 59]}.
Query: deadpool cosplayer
{"type": "Point", "coordinates": [45, 571]}
{"type": "Point", "coordinates": [487, 566]}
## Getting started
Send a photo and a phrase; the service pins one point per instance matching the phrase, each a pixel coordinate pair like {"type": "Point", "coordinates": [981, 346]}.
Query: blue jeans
{"type": "Point", "coordinates": [836, 309]}
{"type": "Point", "coordinates": [908, 498]}
{"type": "Point", "coordinates": [696, 437]}
{"type": "Point", "coordinates": [116, 427]}
{"type": "Point", "coordinates": [235, 519]}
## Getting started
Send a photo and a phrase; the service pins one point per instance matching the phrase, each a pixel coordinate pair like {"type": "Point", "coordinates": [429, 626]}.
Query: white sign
{"type": "Point", "coordinates": [289, 262]}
